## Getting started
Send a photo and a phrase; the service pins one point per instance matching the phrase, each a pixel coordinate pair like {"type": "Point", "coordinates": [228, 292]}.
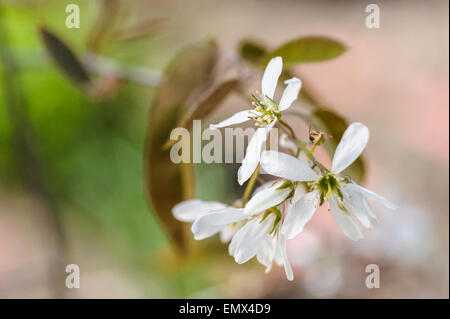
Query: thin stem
{"type": "Point", "coordinates": [250, 185]}
{"type": "Point", "coordinates": [290, 129]}
{"type": "Point", "coordinates": [303, 147]}
{"type": "Point", "coordinates": [260, 180]}
{"type": "Point", "coordinates": [103, 66]}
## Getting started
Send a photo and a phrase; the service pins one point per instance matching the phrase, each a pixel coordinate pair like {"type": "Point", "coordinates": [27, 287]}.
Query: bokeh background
{"type": "Point", "coordinates": [76, 192]}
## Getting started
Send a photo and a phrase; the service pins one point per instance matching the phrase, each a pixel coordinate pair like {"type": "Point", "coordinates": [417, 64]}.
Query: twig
{"type": "Point", "coordinates": [303, 147]}
{"type": "Point", "coordinates": [104, 66]}
{"type": "Point", "coordinates": [250, 185]}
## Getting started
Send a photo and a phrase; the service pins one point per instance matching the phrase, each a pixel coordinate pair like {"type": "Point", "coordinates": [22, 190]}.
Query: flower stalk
{"type": "Point", "coordinates": [250, 185]}
{"type": "Point", "coordinates": [302, 147]}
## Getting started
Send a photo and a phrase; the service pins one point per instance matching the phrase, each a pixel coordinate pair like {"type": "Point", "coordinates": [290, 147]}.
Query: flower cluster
{"type": "Point", "coordinates": [279, 210]}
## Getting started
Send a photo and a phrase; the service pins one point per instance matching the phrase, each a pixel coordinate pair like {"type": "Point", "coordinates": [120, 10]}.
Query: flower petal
{"type": "Point", "coordinates": [352, 144]}
{"type": "Point", "coordinates": [345, 222]}
{"type": "Point", "coordinates": [290, 93]}
{"type": "Point", "coordinates": [264, 186]}
{"type": "Point", "coordinates": [270, 77]}
{"type": "Point", "coordinates": [286, 166]}
{"type": "Point", "coordinates": [286, 143]}
{"type": "Point", "coordinates": [278, 258]}
{"type": "Point", "coordinates": [227, 233]}
{"type": "Point", "coordinates": [210, 224]}
{"type": "Point", "coordinates": [299, 214]}
{"type": "Point", "coordinates": [369, 210]}
{"type": "Point", "coordinates": [253, 154]}
{"type": "Point", "coordinates": [240, 235]}
{"type": "Point", "coordinates": [266, 251]}
{"type": "Point", "coordinates": [239, 117]}
{"type": "Point", "coordinates": [354, 204]}
{"type": "Point", "coordinates": [246, 242]}
{"type": "Point", "coordinates": [282, 249]}
{"type": "Point", "coordinates": [190, 210]}
{"type": "Point", "coordinates": [371, 195]}
{"type": "Point", "coordinates": [266, 198]}
{"type": "Point", "coordinates": [299, 192]}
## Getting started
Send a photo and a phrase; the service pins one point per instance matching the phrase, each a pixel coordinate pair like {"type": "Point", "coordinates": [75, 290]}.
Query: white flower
{"type": "Point", "coordinates": [224, 220]}
{"type": "Point", "coordinates": [273, 249]}
{"type": "Point", "coordinates": [253, 230]}
{"type": "Point", "coordinates": [261, 237]}
{"type": "Point", "coordinates": [347, 200]}
{"type": "Point", "coordinates": [268, 197]}
{"type": "Point", "coordinates": [266, 113]}
{"type": "Point", "coordinates": [210, 218]}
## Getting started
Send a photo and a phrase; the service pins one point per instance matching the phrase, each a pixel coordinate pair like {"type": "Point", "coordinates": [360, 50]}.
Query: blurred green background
{"type": "Point", "coordinates": [72, 186]}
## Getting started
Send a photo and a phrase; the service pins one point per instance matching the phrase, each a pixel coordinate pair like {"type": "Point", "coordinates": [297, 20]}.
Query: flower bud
{"type": "Point", "coordinates": [317, 137]}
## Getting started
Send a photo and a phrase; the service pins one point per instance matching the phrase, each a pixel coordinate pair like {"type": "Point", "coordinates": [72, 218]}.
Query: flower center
{"type": "Point", "coordinates": [328, 185]}
{"type": "Point", "coordinates": [266, 110]}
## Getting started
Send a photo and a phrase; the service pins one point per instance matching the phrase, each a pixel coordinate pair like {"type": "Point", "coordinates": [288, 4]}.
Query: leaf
{"type": "Point", "coordinates": [333, 124]}
{"type": "Point", "coordinates": [64, 58]}
{"type": "Point", "coordinates": [308, 49]}
{"type": "Point", "coordinates": [205, 105]}
{"type": "Point", "coordinates": [251, 51]}
{"type": "Point", "coordinates": [168, 183]}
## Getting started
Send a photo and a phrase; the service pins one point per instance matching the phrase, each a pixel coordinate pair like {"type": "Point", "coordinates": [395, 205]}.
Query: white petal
{"type": "Point", "coordinates": [345, 222]}
{"type": "Point", "coordinates": [287, 265]}
{"type": "Point", "coordinates": [227, 233]}
{"type": "Point", "coordinates": [264, 186]}
{"type": "Point", "coordinates": [270, 77]}
{"type": "Point", "coordinates": [252, 154]}
{"type": "Point", "coordinates": [298, 193]}
{"type": "Point", "coordinates": [369, 210]}
{"type": "Point", "coordinates": [354, 203]}
{"type": "Point", "coordinates": [299, 214]}
{"type": "Point", "coordinates": [240, 235]}
{"type": "Point", "coordinates": [190, 210]}
{"type": "Point", "coordinates": [239, 117]}
{"type": "Point", "coordinates": [266, 198]}
{"type": "Point", "coordinates": [266, 251]}
{"type": "Point", "coordinates": [290, 93]}
{"type": "Point", "coordinates": [371, 195]}
{"type": "Point", "coordinates": [246, 242]}
{"type": "Point", "coordinates": [278, 258]}
{"type": "Point", "coordinates": [352, 144]}
{"type": "Point", "coordinates": [287, 143]}
{"type": "Point", "coordinates": [210, 224]}
{"type": "Point", "coordinates": [286, 166]}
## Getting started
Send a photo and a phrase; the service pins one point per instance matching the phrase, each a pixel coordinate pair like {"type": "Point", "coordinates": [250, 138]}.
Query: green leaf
{"type": "Point", "coordinates": [307, 49]}
{"type": "Point", "coordinates": [206, 104]}
{"type": "Point", "coordinates": [64, 57]}
{"type": "Point", "coordinates": [333, 124]}
{"type": "Point", "coordinates": [168, 183]}
{"type": "Point", "coordinates": [251, 51]}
